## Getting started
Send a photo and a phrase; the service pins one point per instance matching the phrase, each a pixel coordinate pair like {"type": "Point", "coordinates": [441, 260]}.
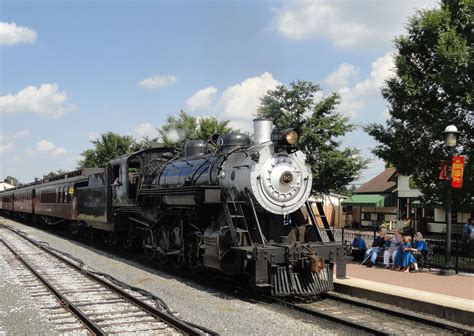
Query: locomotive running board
{"type": "Point", "coordinates": [287, 283]}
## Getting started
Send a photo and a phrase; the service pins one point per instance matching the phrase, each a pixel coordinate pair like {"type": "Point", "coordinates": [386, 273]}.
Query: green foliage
{"type": "Point", "coordinates": [347, 190]}
{"type": "Point", "coordinates": [295, 106]}
{"type": "Point", "coordinates": [433, 88]}
{"type": "Point", "coordinates": [107, 147]}
{"type": "Point", "coordinates": [145, 143]}
{"type": "Point", "coordinates": [12, 180]}
{"type": "Point", "coordinates": [54, 173]}
{"type": "Point", "coordinates": [178, 130]}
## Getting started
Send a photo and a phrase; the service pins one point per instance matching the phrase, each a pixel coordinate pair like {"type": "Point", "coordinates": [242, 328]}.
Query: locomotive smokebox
{"type": "Point", "coordinates": [262, 130]}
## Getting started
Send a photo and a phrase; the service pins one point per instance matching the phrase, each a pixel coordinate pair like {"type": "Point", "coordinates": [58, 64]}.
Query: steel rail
{"type": "Point", "coordinates": [332, 318]}
{"type": "Point", "coordinates": [412, 316]}
{"type": "Point", "coordinates": [446, 325]}
{"type": "Point", "coordinates": [174, 322]}
{"type": "Point", "coordinates": [64, 302]}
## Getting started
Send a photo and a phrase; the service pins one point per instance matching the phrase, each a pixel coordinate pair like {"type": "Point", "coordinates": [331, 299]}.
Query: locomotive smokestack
{"type": "Point", "coordinates": [262, 130]}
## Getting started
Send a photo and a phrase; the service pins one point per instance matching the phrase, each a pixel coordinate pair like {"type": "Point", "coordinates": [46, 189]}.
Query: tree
{"type": "Point", "coordinates": [295, 106]}
{"type": "Point", "coordinates": [12, 180]}
{"type": "Point", "coordinates": [178, 130]}
{"type": "Point", "coordinates": [107, 147]}
{"type": "Point", "coordinates": [431, 89]}
{"type": "Point", "coordinates": [54, 173]}
{"type": "Point", "coordinates": [145, 143]}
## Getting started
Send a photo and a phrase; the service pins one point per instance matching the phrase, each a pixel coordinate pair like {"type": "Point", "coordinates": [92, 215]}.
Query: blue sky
{"type": "Point", "coordinates": [70, 70]}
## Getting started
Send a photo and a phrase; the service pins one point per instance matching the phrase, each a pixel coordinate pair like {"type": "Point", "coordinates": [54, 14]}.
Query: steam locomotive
{"type": "Point", "coordinates": [236, 206]}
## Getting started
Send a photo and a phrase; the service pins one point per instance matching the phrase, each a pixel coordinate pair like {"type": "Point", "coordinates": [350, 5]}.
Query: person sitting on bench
{"type": "Point", "coordinates": [409, 261]}
{"type": "Point", "coordinates": [377, 248]}
{"type": "Point", "coordinates": [358, 247]}
{"type": "Point", "coordinates": [420, 244]}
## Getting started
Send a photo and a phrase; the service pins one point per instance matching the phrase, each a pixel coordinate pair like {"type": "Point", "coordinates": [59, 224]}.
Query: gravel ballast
{"type": "Point", "coordinates": [208, 307]}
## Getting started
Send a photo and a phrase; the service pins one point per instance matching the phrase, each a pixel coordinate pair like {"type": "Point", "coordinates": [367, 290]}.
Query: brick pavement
{"type": "Point", "coordinates": [461, 286]}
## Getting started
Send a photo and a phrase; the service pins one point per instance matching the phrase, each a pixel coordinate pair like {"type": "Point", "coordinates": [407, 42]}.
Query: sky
{"type": "Point", "coordinates": [71, 70]}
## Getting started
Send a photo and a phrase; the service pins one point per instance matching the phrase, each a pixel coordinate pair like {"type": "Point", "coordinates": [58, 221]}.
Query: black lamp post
{"type": "Point", "coordinates": [451, 132]}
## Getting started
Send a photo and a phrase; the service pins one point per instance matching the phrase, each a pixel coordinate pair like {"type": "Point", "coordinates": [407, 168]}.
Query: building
{"type": "Point", "coordinates": [393, 198]}
{"type": "Point", "coordinates": [373, 203]}
{"type": "Point", "coordinates": [332, 207]}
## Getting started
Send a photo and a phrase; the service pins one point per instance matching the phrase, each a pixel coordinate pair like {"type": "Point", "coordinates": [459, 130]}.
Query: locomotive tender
{"type": "Point", "coordinates": [236, 206]}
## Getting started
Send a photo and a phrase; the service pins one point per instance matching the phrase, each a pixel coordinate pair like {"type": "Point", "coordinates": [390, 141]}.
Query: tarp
{"type": "Point", "coordinates": [370, 200]}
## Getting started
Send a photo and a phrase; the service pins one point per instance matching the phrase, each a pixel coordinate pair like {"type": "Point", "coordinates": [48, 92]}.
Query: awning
{"type": "Point", "coordinates": [371, 200]}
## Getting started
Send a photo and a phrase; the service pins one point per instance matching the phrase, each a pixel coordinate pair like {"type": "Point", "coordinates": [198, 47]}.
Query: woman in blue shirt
{"type": "Point", "coordinates": [408, 258]}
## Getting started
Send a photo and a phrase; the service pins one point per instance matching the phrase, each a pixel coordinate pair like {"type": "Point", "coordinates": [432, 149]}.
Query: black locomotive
{"type": "Point", "coordinates": [236, 206]}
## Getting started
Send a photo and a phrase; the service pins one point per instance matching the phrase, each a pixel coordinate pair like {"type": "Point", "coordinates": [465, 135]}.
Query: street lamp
{"type": "Point", "coordinates": [451, 133]}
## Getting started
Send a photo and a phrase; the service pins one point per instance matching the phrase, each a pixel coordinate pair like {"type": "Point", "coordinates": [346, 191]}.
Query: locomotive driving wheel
{"type": "Point", "coordinates": [192, 251]}
{"type": "Point", "coordinates": [176, 245]}
{"type": "Point", "coordinates": [74, 228]}
{"type": "Point", "coordinates": [162, 244]}
{"type": "Point", "coordinates": [149, 244]}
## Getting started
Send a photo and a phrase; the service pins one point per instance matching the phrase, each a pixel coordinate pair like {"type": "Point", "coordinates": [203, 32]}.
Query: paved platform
{"type": "Point", "coordinates": [450, 297]}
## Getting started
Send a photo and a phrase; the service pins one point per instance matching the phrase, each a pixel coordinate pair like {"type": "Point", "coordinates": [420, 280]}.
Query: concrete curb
{"type": "Point", "coordinates": [447, 307]}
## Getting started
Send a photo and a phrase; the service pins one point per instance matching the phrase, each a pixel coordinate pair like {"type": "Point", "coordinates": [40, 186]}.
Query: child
{"type": "Point", "coordinates": [408, 258]}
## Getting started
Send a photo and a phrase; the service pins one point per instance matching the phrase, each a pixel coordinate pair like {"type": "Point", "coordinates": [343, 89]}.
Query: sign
{"type": "Point", "coordinates": [443, 174]}
{"type": "Point", "coordinates": [457, 171]}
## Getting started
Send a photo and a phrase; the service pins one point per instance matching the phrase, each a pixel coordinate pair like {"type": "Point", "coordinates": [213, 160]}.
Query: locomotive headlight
{"type": "Point", "coordinates": [292, 137]}
{"type": "Point", "coordinates": [288, 137]}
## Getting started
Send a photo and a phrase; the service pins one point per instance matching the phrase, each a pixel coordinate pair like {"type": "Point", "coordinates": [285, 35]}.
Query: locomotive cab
{"type": "Point", "coordinates": [123, 174]}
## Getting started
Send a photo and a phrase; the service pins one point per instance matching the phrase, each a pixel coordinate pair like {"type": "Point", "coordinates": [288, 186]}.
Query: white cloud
{"type": "Point", "coordinates": [157, 82]}
{"type": "Point", "coordinates": [60, 151]}
{"type": "Point", "coordinates": [45, 146]}
{"type": "Point", "coordinates": [239, 102]}
{"type": "Point", "coordinates": [366, 93]}
{"type": "Point", "coordinates": [347, 24]}
{"type": "Point", "coordinates": [6, 148]}
{"type": "Point", "coordinates": [45, 100]}
{"type": "Point", "coordinates": [12, 136]}
{"type": "Point", "coordinates": [201, 99]}
{"type": "Point", "coordinates": [342, 77]}
{"type": "Point", "coordinates": [146, 130]}
{"type": "Point", "coordinates": [11, 34]}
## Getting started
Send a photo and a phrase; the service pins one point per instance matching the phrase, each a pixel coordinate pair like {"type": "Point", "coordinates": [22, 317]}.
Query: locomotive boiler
{"type": "Point", "coordinates": [236, 206]}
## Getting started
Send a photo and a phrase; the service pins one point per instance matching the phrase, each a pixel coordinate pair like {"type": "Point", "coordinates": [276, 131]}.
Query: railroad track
{"type": "Point", "coordinates": [374, 318]}
{"type": "Point", "coordinates": [80, 301]}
